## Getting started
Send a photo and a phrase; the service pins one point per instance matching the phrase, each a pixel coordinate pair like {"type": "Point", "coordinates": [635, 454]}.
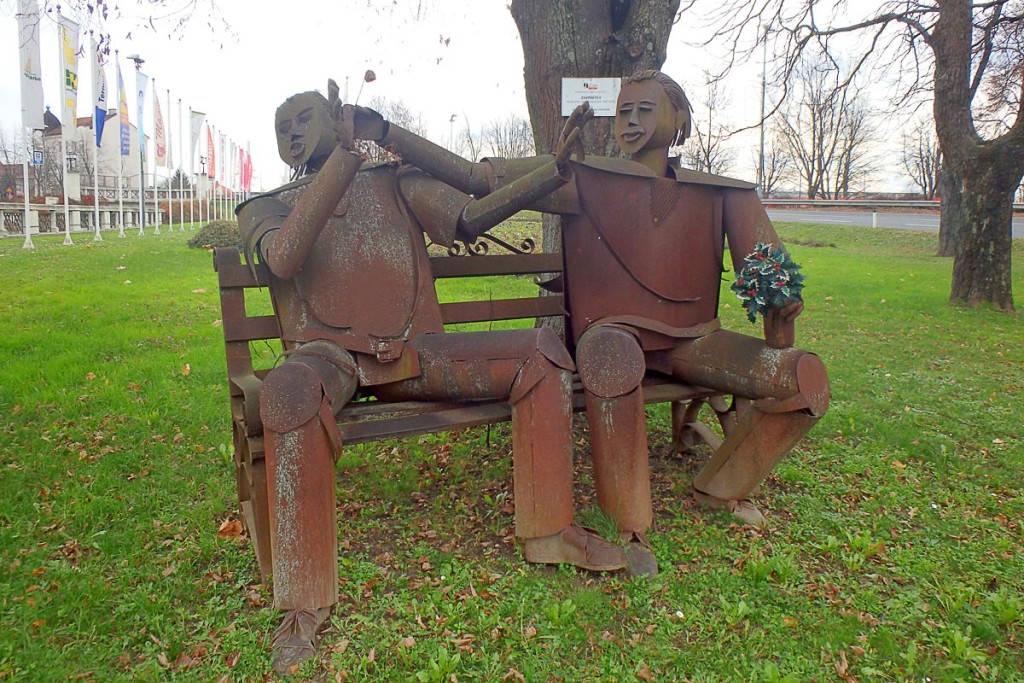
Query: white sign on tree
{"type": "Point", "coordinates": [602, 94]}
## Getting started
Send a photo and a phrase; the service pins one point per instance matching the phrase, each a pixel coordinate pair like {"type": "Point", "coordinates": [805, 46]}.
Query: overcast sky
{"type": "Point", "coordinates": [440, 58]}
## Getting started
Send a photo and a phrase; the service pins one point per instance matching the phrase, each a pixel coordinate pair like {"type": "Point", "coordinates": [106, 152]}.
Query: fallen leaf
{"type": "Point", "coordinates": [645, 674]}
{"type": "Point", "coordinates": [230, 528]}
{"type": "Point", "coordinates": [372, 655]}
{"type": "Point", "coordinates": [789, 621]}
{"type": "Point", "coordinates": [407, 642]}
{"type": "Point", "coordinates": [186, 369]}
{"type": "Point", "coordinates": [90, 375]}
{"type": "Point", "coordinates": [529, 631]}
{"type": "Point", "coordinates": [199, 291]}
{"type": "Point", "coordinates": [897, 465]}
{"type": "Point", "coordinates": [183, 661]}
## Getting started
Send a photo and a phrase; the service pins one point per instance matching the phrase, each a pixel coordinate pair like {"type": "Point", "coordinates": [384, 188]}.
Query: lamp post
{"type": "Point", "coordinates": [139, 61]}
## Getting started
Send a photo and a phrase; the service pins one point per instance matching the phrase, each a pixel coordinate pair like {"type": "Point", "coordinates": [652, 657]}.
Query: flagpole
{"type": "Point", "coordinates": [213, 184]}
{"type": "Point", "coordinates": [181, 174]}
{"type": "Point", "coordinates": [96, 190]}
{"type": "Point", "coordinates": [63, 141]}
{"type": "Point", "coordinates": [120, 155]}
{"type": "Point", "coordinates": [191, 177]}
{"type": "Point", "coordinates": [140, 103]}
{"type": "Point", "coordinates": [156, 161]}
{"type": "Point", "coordinates": [27, 151]}
{"type": "Point", "coordinates": [167, 127]}
{"type": "Point", "coordinates": [96, 147]}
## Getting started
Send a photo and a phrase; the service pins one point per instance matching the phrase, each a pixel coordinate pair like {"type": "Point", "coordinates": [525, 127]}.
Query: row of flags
{"type": "Point", "coordinates": [235, 170]}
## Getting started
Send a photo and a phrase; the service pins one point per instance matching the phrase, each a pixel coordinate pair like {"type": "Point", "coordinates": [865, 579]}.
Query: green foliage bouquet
{"type": "Point", "coordinates": [769, 279]}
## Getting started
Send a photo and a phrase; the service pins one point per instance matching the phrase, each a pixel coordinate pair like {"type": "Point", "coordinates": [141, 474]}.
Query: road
{"type": "Point", "coordinates": [905, 221]}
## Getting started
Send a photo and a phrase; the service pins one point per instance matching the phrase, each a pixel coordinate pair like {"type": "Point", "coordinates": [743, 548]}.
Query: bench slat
{"type": "Point", "coordinates": [423, 423]}
{"type": "Point", "coordinates": [251, 328]}
{"type": "Point", "coordinates": [512, 264]}
{"type": "Point", "coordinates": [501, 309]}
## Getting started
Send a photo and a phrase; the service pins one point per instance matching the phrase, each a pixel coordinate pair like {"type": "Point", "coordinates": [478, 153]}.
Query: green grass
{"type": "Point", "coordinates": [893, 552]}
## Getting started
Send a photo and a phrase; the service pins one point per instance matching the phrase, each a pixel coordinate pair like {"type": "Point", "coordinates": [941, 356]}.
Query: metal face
{"type": "Point", "coordinates": [304, 130]}
{"type": "Point", "coordinates": [645, 119]}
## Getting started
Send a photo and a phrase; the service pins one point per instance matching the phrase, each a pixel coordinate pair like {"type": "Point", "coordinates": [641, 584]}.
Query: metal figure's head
{"type": "Point", "coordinates": [305, 131]}
{"type": "Point", "coordinates": [652, 113]}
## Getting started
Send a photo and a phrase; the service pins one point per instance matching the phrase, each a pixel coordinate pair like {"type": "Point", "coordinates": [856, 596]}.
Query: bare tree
{"type": "Point", "coordinates": [824, 129]}
{"type": "Point", "coordinates": [10, 162]}
{"type": "Point", "coordinates": [471, 144]}
{"type": "Point", "coordinates": [706, 149]}
{"type": "Point", "coordinates": [964, 55]}
{"type": "Point", "coordinates": [922, 158]}
{"type": "Point", "coordinates": [855, 161]}
{"type": "Point", "coordinates": [778, 165]}
{"type": "Point", "coordinates": [398, 113]}
{"type": "Point", "coordinates": [510, 137]}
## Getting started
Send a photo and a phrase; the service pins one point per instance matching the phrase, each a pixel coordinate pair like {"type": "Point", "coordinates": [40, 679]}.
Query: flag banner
{"type": "Point", "coordinates": [31, 64]}
{"type": "Point", "coordinates": [196, 122]}
{"type": "Point", "coordinates": [69, 72]}
{"type": "Point", "coordinates": [99, 93]}
{"type": "Point", "coordinates": [159, 134]}
{"type": "Point", "coordinates": [141, 81]}
{"type": "Point", "coordinates": [247, 175]}
{"type": "Point", "coordinates": [223, 158]}
{"type": "Point", "coordinates": [170, 147]}
{"type": "Point", "coordinates": [122, 111]}
{"type": "Point", "coordinates": [211, 157]}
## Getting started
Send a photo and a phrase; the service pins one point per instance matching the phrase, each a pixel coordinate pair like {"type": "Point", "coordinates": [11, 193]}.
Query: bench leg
{"type": "Point", "coordinates": [251, 476]}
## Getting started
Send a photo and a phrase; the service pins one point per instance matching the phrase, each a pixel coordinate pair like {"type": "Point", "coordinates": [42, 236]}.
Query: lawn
{"type": "Point", "coordinates": [892, 554]}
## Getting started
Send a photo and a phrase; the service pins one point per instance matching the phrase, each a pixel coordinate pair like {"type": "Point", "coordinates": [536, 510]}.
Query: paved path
{"type": "Point", "coordinates": [906, 221]}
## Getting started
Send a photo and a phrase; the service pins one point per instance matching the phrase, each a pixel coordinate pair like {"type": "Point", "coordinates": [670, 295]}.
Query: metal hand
{"type": "Point", "coordinates": [571, 138]}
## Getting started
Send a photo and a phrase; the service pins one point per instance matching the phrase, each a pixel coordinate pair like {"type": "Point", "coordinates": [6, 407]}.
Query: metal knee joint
{"type": "Point", "coordinates": [549, 357]}
{"type": "Point", "coordinates": [294, 393]}
{"type": "Point", "coordinates": [610, 361]}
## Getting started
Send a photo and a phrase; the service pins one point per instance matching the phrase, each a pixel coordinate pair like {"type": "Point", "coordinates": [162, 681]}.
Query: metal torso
{"type": "Point", "coordinates": [642, 247]}
{"type": "Point", "coordinates": [367, 283]}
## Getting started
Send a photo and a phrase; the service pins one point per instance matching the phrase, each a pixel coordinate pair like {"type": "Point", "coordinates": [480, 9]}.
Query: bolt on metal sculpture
{"type": "Point", "coordinates": [354, 297]}
{"type": "Point", "coordinates": [643, 243]}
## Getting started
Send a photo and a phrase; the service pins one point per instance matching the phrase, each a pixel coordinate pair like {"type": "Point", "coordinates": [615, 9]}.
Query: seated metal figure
{"type": "Point", "coordinates": [354, 296]}
{"type": "Point", "coordinates": [643, 243]}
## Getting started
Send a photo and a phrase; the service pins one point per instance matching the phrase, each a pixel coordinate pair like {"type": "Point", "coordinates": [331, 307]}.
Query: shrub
{"type": "Point", "coordinates": [217, 234]}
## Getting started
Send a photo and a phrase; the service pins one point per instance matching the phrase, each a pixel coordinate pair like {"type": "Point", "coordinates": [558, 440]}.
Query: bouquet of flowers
{"type": "Point", "coordinates": [769, 279]}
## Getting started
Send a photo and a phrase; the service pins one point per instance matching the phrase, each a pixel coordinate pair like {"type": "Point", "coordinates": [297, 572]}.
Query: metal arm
{"type": "Point", "coordinates": [286, 249]}
{"type": "Point", "coordinates": [450, 168]}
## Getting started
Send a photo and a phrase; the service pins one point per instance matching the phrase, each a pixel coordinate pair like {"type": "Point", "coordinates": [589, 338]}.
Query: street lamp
{"type": "Point", "coordinates": [139, 61]}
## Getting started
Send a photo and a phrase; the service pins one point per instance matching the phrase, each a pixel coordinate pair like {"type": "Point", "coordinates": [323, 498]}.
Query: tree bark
{"type": "Point", "coordinates": [981, 253]}
{"type": "Point", "coordinates": [950, 211]}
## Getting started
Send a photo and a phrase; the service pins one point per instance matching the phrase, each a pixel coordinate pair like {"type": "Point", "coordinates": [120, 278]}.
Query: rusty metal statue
{"type": "Point", "coordinates": [643, 243]}
{"type": "Point", "coordinates": [354, 296]}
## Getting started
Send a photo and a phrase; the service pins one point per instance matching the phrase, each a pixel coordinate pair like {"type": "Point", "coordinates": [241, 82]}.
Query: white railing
{"type": "Point", "coordinates": [43, 218]}
{"type": "Point", "coordinates": [865, 203]}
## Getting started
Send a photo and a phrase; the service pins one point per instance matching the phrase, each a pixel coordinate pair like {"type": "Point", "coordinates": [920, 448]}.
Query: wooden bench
{"type": "Point", "coordinates": [366, 419]}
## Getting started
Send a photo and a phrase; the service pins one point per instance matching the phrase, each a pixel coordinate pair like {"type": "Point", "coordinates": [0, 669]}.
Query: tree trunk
{"type": "Point", "coordinates": [981, 256]}
{"type": "Point", "coordinates": [950, 211]}
{"type": "Point", "coordinates": [985, 172]}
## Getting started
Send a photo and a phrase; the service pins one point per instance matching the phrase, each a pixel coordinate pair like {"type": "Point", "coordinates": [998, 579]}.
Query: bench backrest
{"type": "Point", "coordinates": [242, 326]}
